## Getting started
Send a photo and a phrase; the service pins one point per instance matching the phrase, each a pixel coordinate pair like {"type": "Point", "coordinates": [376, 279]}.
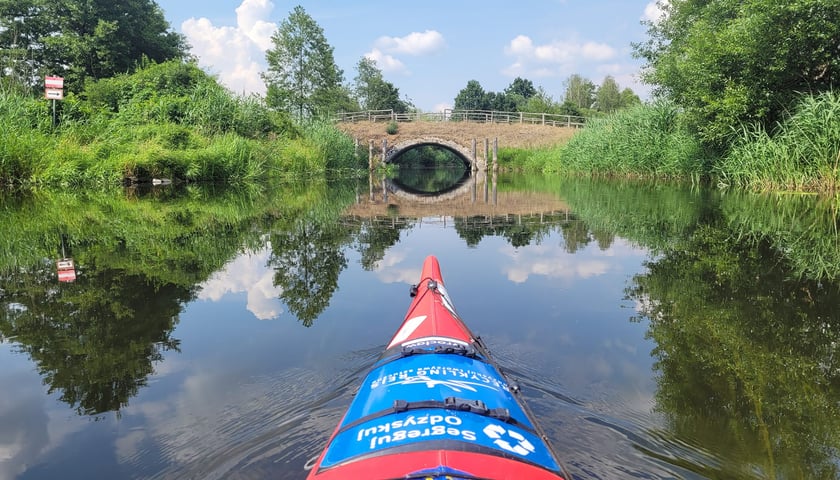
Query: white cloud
{"type": "Point", "coordinates": [653, 12]}
{"type": "Point", "coordinates": [235, 54]}
{"type": "Point", "coordinates": [249, 17]}
{"type": "Point", "coordinates": [386, 49]}
{"type": "Point", "coordinates": [414, 43]}
{"type": "Point", "coordinates": [553, 59]}
{"type": "Point", "coordinates": [387, 63]}
{"type": "Point", "coordinates": [442, 106]}
{"type": "Point", "coordinates": [524, 49]}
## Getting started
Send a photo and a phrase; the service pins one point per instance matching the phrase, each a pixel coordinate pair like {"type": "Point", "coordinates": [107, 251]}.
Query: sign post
{"type": "Point", "coordinates": [53, 90]}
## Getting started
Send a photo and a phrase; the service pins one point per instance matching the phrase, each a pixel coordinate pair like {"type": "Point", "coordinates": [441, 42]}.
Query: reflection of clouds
{"type": "Point", "coordinates": [250, 274]}
{"type": "Point", "coordinates": [548, 261]}
{"type": "Point", "coordinates": [616, 343]}
{"type": "Point", "coordinates": [389, 271]}
{"type": "Point", "coordinates": [23, 425]}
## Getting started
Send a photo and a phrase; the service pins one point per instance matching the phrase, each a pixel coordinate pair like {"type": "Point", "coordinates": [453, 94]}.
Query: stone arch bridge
{"type": "Point", "coordinates": [472, 141]}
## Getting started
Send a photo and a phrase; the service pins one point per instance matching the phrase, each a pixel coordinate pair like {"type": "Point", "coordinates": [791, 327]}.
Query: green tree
{"type": "Point", "coordinates": [608, 96]}
{"type": "Point", "coordinates": [471, 97]}
{"type": "Point", "coordinates": [580, 92]}
{"type": "Point", "coordinates": [302, 76]}
{"type": "Point", "coordinates": [629, 98]}
{"type": "Point", "coordinates": [373, 91]}
{"type": "Point", "coordinates": [500, 102]}
{"type": "Point", "coordinates": [541, 102]}
{"type": "Point", "coordinates": [83, 39]}
{"type": "Point", "coordinates": [519, 92]}
{"type": "Point", "coordinates": [733, 63]}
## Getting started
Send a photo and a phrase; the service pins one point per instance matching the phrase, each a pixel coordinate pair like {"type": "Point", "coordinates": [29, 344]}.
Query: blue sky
{"type": "Point", "coordinates": [430, 49]}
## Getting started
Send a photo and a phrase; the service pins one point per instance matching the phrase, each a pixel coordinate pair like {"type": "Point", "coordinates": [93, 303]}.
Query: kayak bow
{"type": "Point", "coordinates": [435, 405]}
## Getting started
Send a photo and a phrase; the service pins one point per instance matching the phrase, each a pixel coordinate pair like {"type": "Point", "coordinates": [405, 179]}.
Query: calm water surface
{"type": "Point", "coordinates": [658, 331]}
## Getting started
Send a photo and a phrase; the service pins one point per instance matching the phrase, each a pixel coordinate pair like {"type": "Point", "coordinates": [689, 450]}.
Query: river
{"type": "Point", "coordinates": [658, 331]}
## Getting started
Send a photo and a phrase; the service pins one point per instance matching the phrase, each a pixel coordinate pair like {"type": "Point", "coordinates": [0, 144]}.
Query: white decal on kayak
{"type": "Point", "coordinates": [456, 385]}
{"type": "Point", "coordinates": [413, 427]}
{"type": "Point", "coordinates": [446, 301]}
{"type": "Point", "coordinates": [436, 375]}
{"type": "Point", "coordinates": [407, 329]}
{"type": "Point", "coordinates": [501, 435]}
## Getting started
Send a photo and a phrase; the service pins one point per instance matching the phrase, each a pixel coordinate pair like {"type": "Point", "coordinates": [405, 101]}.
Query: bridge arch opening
{"type": "Point", "coordinates": [395, 154]}
{"type": "Point", "coordinates": [430, 155]}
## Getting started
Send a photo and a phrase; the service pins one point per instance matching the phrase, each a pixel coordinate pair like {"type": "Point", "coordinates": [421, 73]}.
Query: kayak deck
{"type": "Point", "coordinates": [435, 405]}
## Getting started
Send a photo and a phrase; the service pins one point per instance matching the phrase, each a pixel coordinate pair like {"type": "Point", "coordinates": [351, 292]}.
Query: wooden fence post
{"type": "Point", "coordinates": [495, 154]}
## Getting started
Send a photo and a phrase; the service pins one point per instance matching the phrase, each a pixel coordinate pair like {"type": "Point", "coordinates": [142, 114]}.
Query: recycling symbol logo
{"type": "Point", "coordinates": [509, 440]}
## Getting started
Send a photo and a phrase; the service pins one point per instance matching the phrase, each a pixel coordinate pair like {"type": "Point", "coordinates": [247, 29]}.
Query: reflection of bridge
{"type": "Point", "coordinates": [477, 197]}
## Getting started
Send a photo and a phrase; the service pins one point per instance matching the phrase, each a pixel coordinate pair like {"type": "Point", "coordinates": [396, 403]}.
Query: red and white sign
{"type": "Point", "coordinates": [66, 270]}
{"type": "Point", "coordinates": [54, 82]}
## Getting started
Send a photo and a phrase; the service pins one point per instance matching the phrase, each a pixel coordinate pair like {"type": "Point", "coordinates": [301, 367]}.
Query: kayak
{"type": "Point", "coordinates": [435, 405]}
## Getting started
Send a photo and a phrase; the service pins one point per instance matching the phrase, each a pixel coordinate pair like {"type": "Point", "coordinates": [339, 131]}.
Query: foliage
{"type": "Point", "coordinates": [735, 333]}
{"type": "Point", "coordinates": [83, 40]}
{"type": "Point", "coordinates": [392, 128]}
{"type": "Point", "coordinates": [302, 77]}
{"type": "Point", "coordinates": [608, 96]}
{"type": "Point", "coordinates": [803, 154]}
{"type": "Point", "coordinates": [733, 63]}
{"type": "Point", "coordinates": [519, 96]}
{"type": "Point", "coordinates": [580, 92]}
{"type": "Point", "coordinates": [167, 120]}
{"type": "Point", "coordinates": [373, 92]}
{"type": "Point", "coordinates": [520, 91]}
{"type": "Point", "coordinates": [471, 97]}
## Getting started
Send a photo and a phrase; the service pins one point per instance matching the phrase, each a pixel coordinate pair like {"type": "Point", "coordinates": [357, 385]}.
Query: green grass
{"type": "Point", "coordinates": [167, 120]}
{"type": "Point", "coordinates": [646, 141]}
{"type": "Point", "coordinates": [642, 141]}
{"type": "Point", "coordinates": [802, 154]}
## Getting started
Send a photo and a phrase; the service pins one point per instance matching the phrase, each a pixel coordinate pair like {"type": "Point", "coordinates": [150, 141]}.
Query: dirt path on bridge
{"type": "Point", "coordinates": [509, 135]}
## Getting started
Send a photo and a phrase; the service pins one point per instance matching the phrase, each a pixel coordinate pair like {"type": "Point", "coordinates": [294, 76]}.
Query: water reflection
{"type": "Point", "coordinates": [428, 182]}
{"type": "Point", "coordinates": [734, 373]}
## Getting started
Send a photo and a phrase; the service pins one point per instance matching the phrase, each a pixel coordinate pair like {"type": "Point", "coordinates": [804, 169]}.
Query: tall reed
{"type": "Point", "coordinates": [803, 153]}
{"type": "Point", "coordinates": [646, 141]}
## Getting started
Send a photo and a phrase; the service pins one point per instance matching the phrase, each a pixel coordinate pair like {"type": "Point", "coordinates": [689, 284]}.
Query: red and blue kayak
{"type": "Point", "coordinates": [436, 406]}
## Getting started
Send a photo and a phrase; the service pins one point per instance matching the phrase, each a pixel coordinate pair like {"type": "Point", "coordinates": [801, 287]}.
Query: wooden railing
{"type": "Point", "coordinates": [450, 115]}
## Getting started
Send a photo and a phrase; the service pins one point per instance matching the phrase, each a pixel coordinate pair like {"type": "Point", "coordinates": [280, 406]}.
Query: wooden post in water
{"type": "Point", "coordinates": [486, 151]}
{"type": "Point", "coordinates": [370, 154]}
{"type": "Point", "coordinates": [496, 154]}
{"type": "Point", "coordinates": [475, 156]}
{"type": "Point", "coordinates": [384, 149]}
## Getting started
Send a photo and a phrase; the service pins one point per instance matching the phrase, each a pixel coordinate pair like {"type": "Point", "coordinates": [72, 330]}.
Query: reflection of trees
{"type": "Point", "coordinates": [519, 230]}
{"type": "Point", "coordinates": [95, 341]}
{"type": "Point", "coordinates": [746, 355]}
{"type": "Point", "coordinates": [308, 257]}
{"type": "Point", "coordinates": [375, 238]}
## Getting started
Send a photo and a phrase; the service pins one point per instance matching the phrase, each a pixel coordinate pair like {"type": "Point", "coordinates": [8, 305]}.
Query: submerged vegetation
{"type": "Point", "coordinates": [168, 120]}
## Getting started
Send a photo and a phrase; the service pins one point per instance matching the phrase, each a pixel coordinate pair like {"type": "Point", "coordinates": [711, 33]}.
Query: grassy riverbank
{"type": "Point", "coordinates": [169, 120]}
{"type": "Point", "coordinates": [652, 141]}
